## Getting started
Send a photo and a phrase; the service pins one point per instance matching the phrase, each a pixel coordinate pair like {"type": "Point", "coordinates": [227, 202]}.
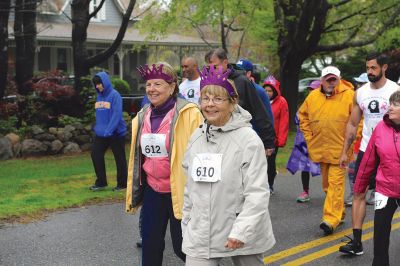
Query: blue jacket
{"type": "Point", "coordinates": [265, 100]}
{"type": "Point", "coordinates": [109, 120]}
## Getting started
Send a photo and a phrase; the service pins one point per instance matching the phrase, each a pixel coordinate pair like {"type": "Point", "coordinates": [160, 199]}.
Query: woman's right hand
{"type": "Point", "coordinates": [233, 243]}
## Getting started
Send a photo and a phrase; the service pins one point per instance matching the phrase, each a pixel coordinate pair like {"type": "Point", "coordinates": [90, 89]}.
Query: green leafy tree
{"type": "Point", "coordinates": [306, 28]}
{"type": "Point", "coordinates": [225, 20]}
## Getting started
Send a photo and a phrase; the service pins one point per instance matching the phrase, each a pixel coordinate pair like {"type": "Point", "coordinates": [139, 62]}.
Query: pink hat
{"type": "Point", "coordinates": [314, 84]}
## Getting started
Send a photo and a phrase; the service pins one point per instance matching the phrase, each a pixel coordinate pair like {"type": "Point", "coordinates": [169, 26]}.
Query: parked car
{"type": "Point", "coordinates": [303, 83]}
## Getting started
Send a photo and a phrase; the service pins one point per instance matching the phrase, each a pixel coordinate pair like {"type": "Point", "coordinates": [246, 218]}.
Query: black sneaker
{"type": "Point", "coordinates": [97, 188]}
{"type": "Point", "coordinates": [352, 248]}
{"type": "Point", "coordinates": [117, 188]}
{"type": "Point", "coordinates": [327, 228]}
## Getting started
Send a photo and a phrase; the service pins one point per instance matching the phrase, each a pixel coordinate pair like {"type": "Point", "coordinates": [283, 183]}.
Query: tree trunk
{"type": "Point", "coordinates": [25, 43]}
{"type": "Point", "coordinates": [4, 14]}
{"type": "Point", "coordinates": [289, 77]}
{"type": "Point", "coordinates": [80, 23]}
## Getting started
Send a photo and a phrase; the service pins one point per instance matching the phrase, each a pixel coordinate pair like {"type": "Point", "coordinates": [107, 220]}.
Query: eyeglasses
{"type": "Point", "coordinates": [216, 100]}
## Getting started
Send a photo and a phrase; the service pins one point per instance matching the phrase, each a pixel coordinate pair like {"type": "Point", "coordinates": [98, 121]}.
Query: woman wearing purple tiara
{"type": "Point", "coordinates": [160, 133]}
{"type": "Point", "coordinates": [225, 212]}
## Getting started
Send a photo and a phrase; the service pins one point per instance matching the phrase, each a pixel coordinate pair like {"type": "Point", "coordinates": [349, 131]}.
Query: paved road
{"type": "Point", "coordinates": [105, 235]}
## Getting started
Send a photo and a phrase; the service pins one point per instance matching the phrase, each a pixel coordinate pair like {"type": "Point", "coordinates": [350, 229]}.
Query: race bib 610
{"type": "Point", "coordinates": [206, 167]}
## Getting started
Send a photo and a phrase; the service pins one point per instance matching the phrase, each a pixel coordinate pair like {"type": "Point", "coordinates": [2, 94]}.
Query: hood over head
{"type": "Point", "coordinates": [105, 79]}
{"type": "Point", "coordinates": [274, 84]}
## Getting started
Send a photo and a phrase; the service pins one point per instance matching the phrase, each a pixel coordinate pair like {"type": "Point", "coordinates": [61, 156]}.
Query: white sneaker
{"type": "Point", "coordinates": [348, 202]}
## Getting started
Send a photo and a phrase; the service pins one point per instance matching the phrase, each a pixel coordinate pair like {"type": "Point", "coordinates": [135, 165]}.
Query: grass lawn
{"type": "Point", "coordinates": [30, 188]}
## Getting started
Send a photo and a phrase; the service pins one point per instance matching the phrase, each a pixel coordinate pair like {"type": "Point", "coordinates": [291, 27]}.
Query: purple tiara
{"type": "Point", "coordinates": [154, 73]}
{"type": "Point", "coordinates": [211, 76]}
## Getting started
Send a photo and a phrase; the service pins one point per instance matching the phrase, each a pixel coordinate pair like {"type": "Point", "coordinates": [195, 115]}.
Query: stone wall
{"type": "Point", "coordinates": [61, 140]}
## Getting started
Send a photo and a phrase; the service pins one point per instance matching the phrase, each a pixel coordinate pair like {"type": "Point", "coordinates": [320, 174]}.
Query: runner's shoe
{"type": "Point", "coordinates": [349, 201]}
{"type": "Point", "coordinates": [304, 197]}
{"type": "Point", "coordinates": [327, 228]}
{"type": "Point", "coordinates": [352, 248]}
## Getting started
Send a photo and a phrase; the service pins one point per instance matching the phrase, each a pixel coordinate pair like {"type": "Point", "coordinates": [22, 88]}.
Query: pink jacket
{"type": "Point", "coordinates": [383, 151]}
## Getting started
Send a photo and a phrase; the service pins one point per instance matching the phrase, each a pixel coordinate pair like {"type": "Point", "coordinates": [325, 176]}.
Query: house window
{"type": "Point", "coordinates": [44, 59]}
{"type": "Point", "coordinates": [116, 65]}
{"type": "Point", "coordinates": [101, 15]}
{"type": "Point", "coordinates": [62, 59]}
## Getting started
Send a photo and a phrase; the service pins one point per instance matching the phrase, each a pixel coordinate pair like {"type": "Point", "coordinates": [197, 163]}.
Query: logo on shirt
{"type": "Point", "coordinates": [100, 105]}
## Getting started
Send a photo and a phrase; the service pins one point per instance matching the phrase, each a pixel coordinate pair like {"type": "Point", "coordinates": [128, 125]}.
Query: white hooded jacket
{"type": "Point", "coordinates": [235, 206]}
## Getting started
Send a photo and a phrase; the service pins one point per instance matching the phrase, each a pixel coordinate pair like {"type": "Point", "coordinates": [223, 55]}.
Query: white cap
{"type": "Point", "coordinates": [330, 70]}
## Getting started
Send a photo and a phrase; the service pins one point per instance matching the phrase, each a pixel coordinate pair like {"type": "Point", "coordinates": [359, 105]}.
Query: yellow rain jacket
{"type": "Point", "coordinates": [187, 119]}
{"type": "Point", "coordinates": [323, 122]}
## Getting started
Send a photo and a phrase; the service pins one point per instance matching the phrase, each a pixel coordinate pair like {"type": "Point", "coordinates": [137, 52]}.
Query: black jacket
{"type": "Point", "coordinates": [250, 101]}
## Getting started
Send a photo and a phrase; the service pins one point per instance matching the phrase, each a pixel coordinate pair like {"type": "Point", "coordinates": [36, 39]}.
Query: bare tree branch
{"type": "Point", "coordinates": [94, 13]}
{"type": "Point", "coordinates": [348, 43]}
{"type": "Point", "coordinates": [92, 61]}
{"type": "Point", "coordinates": [358, 12]}
{"type": "Point", "coordinates": [144, 11]}
{"type": "Point", "coordinates": [344, 29]}
{"type": "Point", "coordinates": [340, 3]}
{"type": "Point", "coordinates": [197, 27]}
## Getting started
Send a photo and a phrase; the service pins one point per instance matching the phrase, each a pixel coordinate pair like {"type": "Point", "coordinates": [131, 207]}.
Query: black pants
{"type": "Point", "coordinates": [372, 180]}
{"type": "Point", "coordinates": [157, 211]}
{"type": "Point", "coordinates": [100, 146]}
{"type": "Point", "coordinates": [382, 227]}
{"type": "Point", "coordinates": [272, 168]}
{"type": "Point", "coordinates": [305, 180]}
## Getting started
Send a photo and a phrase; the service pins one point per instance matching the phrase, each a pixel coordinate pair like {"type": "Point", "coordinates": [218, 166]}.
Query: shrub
{"type": "Point", "coordinates": [64, 120]}
{"type": "Point", "coordinates": [121, 86]}
{"type": "Point", "coordinates": [8, 125]}
{"type": "Point", "coordinates": [88, 99]}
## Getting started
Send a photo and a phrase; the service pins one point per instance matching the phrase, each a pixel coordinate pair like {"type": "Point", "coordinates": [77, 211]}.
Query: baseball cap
{"type": "Point", "coordinates": [331, 71]}
{"type": "Point", "coordinates": [315, 84]}
{"type": "Point", "coordinates": [245, 64]}
{"type": "Point", "coordinates": [363, 78]}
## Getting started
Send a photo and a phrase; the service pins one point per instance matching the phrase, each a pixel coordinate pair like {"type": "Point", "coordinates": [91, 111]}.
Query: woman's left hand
{"type": "Point", "coordinates": [233, 243]}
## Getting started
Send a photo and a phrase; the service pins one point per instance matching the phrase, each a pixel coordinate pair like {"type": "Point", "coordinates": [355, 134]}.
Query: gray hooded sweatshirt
{"type": "Point", "coordinates": [236, 206]}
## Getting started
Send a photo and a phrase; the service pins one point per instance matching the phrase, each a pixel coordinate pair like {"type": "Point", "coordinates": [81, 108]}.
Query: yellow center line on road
{"type": "Point", "coordinates": [317, 242]}
{"type": "Point", "coordinates": [327, 251]}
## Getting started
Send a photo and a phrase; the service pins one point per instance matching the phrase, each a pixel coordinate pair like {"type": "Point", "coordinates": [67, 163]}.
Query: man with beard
{"type": "Point", "coordinates": [190, 87]}
{"type": "Point", "coordinates": [378, 90]}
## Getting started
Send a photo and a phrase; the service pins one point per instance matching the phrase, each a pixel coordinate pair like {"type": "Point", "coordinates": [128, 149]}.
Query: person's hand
{"type": "Point", "coordinates": [269, 152]}
{"type": "Point", "coordinates": [233, 243]}
{"type": "Point", "coordinates": [343, 160]}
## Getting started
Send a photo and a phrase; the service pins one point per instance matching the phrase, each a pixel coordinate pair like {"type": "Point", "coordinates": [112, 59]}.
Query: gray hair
{"type": "Point", "coordinates": [395, 97]}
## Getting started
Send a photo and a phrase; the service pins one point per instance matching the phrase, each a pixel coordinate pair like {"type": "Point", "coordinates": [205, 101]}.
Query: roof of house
{"type": "Point", "coordinates": [58, 6]}
{"type": "Point", "coordinates": [98, 33]}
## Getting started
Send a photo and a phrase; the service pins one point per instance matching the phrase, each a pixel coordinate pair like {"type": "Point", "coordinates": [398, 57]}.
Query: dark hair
{"type": "Point", "coordinates": [395, 97]}
{"type": "Point", "coordinates": [381, 58]}
{"type": "Point", "coordinates": [218, 52]}
{"type": "Point", "coordinates": [96, 80]}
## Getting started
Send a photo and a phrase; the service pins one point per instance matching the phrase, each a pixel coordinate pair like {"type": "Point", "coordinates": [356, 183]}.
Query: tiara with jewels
{"type": "Point", "coordinates": [212, 76]}
{"type": "Point", "coordinates": [154, 73]}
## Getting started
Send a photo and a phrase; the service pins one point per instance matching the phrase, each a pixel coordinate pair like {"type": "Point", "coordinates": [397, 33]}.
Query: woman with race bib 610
{"type": "Point", "coordinates": [160, 133]}
{"type": "Point", "coordinates": [225, 210]}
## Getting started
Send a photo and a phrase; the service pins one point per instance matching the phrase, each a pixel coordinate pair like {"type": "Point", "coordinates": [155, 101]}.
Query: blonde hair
{"type": "Point", "coordinates": [217, 90]}
{"type": "Point", "coordinates": [170, 71]}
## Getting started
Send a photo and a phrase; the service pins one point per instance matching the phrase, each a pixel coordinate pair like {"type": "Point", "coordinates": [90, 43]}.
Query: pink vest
{"type": "Point", "coordinates": [158, 169]}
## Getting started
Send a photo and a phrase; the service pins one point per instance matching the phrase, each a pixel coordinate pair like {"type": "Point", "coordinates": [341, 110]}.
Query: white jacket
{"type": "Point", "coordinates": [237, 205]}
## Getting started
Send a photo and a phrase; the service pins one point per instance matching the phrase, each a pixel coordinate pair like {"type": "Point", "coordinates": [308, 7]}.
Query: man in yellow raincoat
{"type": "Point", "coordinates": [323, 118]}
